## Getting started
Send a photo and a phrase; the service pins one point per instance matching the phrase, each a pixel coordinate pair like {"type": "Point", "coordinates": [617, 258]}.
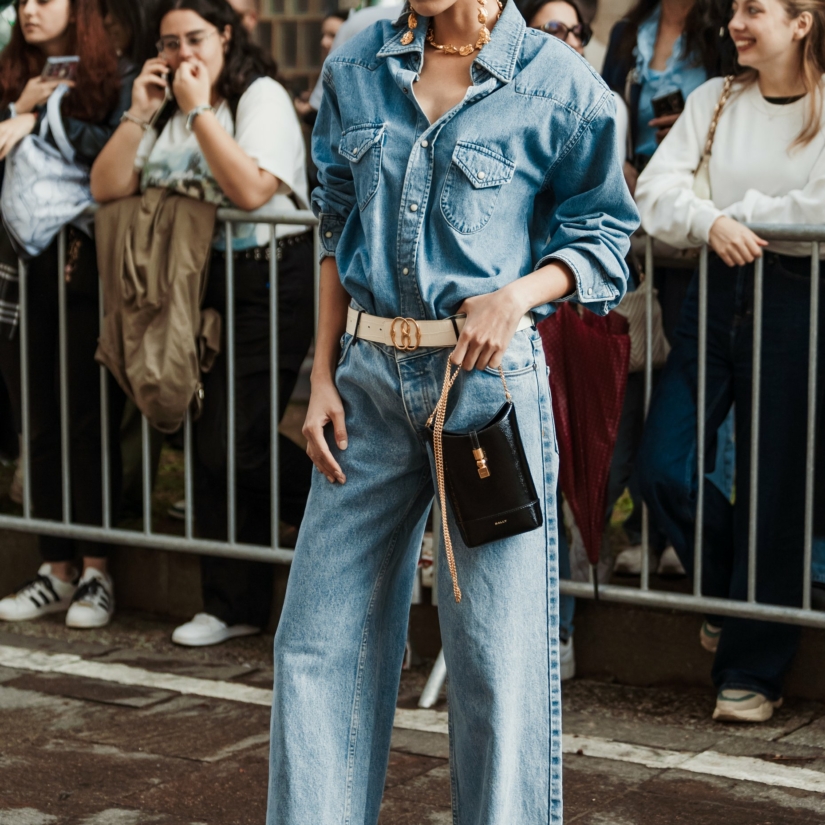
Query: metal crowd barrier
{"type": "Point", "coordinates": [642, 595]}
{"type": "Point", "coordinates": [147, 538]}
{"type": "Point", "coordinates": [751, 608]}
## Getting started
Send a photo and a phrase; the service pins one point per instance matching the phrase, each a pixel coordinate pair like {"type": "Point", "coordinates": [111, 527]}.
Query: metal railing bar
{"type": "Point", "coordinates": [300, 217]}
{"type": "Point", "coordinates": [231, 523]}
{"type": "Point", "coordinates": [701, 411]}
{"type": "Point", "coordinates": [146, 466]}
{"type": "Point", "coordinates": [63, 368]}
{"type": "Point", "coordinates": [644, 583]}
{"type": "Point", "coordinates": [105, 467]}
{"type": "Point", "coordinates": [188, 491]}
{"type": "Point", "coordinates": [156, 541]}
{"type": "Point", "coordinates": [694, 604]}
{"type": "Point", "coordinates": [789, 232]}
{"type": "Point", "coordinates": [810, 458]}
{"type": "Point", "coordinates": [756, 384]}
{"type": "Point", "coordinates": [316, 273]}
{"type": "Point", "coordinates": [274, 454]}
{"type": "Point", "coordinates": [23, 331]}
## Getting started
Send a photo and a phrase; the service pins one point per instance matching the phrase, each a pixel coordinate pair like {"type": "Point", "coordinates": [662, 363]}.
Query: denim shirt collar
{"type": "Point", "coordinates": [498, 57]}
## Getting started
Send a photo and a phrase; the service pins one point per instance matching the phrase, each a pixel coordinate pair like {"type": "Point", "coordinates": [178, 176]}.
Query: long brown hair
{"type": "Point", "coordinates": [98, 81]}
{"type": "Point", "coordinates": [812, 65]}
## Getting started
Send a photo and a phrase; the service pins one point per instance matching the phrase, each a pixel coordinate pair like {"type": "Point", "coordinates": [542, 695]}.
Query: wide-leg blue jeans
{"type": "Point", "coordinates": [340, 641]}
{"type": "Point", "coordinates": [752, 655]}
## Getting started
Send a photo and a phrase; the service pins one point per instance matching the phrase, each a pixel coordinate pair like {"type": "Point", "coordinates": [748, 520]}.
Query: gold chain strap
{"type": "Point", "coordinates": [440, 415]}
{"type": "Point", "coordinates": [717, 113]}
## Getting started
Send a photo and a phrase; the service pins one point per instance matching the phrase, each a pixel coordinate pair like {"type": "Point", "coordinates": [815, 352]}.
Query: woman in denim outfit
{"type": "Point", "coordinates": [450, 185]}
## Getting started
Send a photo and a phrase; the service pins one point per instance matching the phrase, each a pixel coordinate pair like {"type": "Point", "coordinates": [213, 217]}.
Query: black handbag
{"type": "Point", "coordinates": [487, 476]}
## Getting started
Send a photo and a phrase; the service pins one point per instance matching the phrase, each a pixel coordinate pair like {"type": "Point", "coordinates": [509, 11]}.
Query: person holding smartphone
{"type": "Point", "coordinates": [208, 120]}
{"type": "Point", "coordinates": [91, 111]}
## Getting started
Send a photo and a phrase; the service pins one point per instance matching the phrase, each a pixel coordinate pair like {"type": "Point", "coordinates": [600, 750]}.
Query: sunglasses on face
{"type": "Point", "coordinates": [581, 31]}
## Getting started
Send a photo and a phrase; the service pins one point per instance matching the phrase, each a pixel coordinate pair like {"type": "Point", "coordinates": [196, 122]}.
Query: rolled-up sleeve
{"type": "Point", "coordinates": [334, 199]}
{"type": "Point", "coordinates": [587, 215]}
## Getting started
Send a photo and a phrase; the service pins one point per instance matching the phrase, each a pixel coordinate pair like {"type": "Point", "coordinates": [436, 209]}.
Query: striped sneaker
{"type": "Point", "coordinates": [43, 594]}
{"type": "Point", "coordinates": [743, 706]}
{"type": "Point", "coordinates": [709, 636]}
{"type": "Point", "coordinates": [93, 604]}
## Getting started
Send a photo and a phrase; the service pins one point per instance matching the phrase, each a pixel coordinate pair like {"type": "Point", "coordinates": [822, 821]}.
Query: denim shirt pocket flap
{"type": "Point", "coordinates": [357, 140]}
{"type": "Point", "coordinates": [483, 167]}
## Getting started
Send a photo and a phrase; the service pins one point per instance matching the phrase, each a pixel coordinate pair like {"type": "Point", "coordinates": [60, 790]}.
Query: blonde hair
{"type": "Point", "coordinates": [812, 68]}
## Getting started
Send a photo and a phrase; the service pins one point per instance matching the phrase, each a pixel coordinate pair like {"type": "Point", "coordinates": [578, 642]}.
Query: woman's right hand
{"type": "Point", "coordinates": [325, 407]}
{"type": "Point", "coordinates": [734, 243]}
{"type": "Point", "coordinates": [149, 89]}
{"type": "Point", "coordinates": [36, 92]}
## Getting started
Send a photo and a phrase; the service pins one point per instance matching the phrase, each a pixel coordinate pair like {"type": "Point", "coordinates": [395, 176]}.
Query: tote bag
{"type": "Point", "coordinates": [44, 188]}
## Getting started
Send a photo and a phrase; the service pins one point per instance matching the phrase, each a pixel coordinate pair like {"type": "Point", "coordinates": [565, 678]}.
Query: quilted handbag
{"type": "Point", "coordinates": [44, 188]}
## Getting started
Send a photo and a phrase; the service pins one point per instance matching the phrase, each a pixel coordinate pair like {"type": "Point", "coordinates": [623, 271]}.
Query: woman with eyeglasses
{"type": "Point", "coordinates": [229, 136]}
{"type": "Point", "coordinates": [558, 18]}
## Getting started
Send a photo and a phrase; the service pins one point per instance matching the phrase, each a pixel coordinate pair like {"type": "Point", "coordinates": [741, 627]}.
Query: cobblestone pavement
{"type": "Point", "coordinates": [120, 727]}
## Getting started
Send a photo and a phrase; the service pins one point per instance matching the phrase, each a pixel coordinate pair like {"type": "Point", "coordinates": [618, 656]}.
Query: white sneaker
{"type": "Point", "coordinates": [43, 594]}
{"type": "Point", "coordinates": [568, 659]}
{"type": "Point", "coordinates": [629, 561]}
{"type": "Point", "coordinates": [206, 630]}
{"type": "Point", "coordinates": [670, 566]}
{"type": "Point", "coordinates": [709, 636]}
{"type": "Point", "coordinates": [178, 510]}
{"type": "Point", "coordinates": [743, 706]}
{"type": "Point", "coordinates": [94, 603]}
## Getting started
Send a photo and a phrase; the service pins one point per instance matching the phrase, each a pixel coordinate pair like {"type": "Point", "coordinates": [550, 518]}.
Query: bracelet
{"type": "Point", "coordinates": [198, 110]}
{"type": "Point", "coordinates": [132, 119]}
{"type": "Point", "coordinates": [12, 110]}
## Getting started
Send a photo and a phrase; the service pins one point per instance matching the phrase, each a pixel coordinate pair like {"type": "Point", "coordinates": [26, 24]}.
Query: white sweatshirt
{"type": "Point", "coordinates": [755, 175]}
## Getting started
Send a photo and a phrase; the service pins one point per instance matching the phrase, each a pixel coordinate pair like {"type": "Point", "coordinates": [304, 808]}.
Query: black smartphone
{"type": "Point", "coordinates": [671, 103]}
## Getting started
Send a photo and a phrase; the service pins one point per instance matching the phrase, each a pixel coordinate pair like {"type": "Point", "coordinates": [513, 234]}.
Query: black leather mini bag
{"type": "Point", "coordinates": [486, 475]}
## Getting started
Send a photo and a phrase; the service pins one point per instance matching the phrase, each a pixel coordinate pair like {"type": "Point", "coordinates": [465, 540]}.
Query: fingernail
{"type": "Point", "coordinates": [330, 479]}
{"type": "Point", "coordinates": [342, 444]}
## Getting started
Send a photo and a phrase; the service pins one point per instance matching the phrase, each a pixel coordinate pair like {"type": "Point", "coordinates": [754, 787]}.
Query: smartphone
{"type": "Point", "coordinates": [167, 96]}
{"type": "Point", "coordinates": [671, 103]}
{"type": "Point", "coordinates": [61, 68]}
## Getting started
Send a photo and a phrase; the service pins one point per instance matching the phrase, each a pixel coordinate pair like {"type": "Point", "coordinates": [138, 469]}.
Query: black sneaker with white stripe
{"type": "Point", "coordinates": [43, 594]}
{"type": "Point", "coordinates": [93, 604]}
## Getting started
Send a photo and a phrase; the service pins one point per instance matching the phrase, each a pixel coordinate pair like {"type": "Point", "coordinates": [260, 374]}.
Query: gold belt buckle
{"type": "Point", "coordinates": [403, 328]}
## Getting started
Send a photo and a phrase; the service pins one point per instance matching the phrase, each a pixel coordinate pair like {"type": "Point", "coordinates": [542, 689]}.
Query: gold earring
{"type": "Point", "coordinates": [412, 23]}
{"type": "Point", "coordinates": [484, 32]}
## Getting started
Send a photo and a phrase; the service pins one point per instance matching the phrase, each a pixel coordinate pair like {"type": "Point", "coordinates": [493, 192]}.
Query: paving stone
{"type": "Point", "coordinates": [91, 690]}
{"type": "Point", "coordinates": [812, 734]}
{"type": "Point", "coordinates": [421, 742]}
{"type": "Point", "coordinates": [405, 766]}
{"type": "Point", "coordinates": [781, 752]}
{"type": "Point", "coordinates": [186, 726]}
{"type": "Point", "coordinates": [424, 800]}
{"type": "Point", "coordinates": [87, 646]}
{"type": "Point", "coordinates": [179, 665]}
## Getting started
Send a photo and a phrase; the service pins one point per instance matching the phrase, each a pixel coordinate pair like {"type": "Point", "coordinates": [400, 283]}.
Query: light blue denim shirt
{"type": "Point", "coordinates": [523, 171]}
{"type": "Point", "coordinates": [679, 73]}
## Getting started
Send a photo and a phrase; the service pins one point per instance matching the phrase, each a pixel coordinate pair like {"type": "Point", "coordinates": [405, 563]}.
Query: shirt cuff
{"type": "Point", "coordinates": [702, 221]}
{"type": "Point", "coordinates": [331, 227]}
{"type": "Point", "coordinates": [591, 288]}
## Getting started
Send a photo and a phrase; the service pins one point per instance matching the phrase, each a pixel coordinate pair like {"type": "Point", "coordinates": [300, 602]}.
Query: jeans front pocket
{"type": "Point", "coordinates": [361, 146]}
{"type": "Point", "coordinates": [472, 186]}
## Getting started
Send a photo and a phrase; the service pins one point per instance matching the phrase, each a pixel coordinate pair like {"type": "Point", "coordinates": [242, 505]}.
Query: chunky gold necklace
{"type": "Point", "coordinates": [448, 48]}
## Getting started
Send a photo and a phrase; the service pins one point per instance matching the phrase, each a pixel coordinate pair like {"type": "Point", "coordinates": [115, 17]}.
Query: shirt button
{"type": "Point", "coordinates": [425, 144]}
{"type": "Point", "coordinates": [590, 291]}
{"type": "Point", "coordinates": [405, 91]}
{"type": "Point", "coordinates": [413, 207]}
{"type": "Point", "coordinates": [405, 271]}
{"type": "Point", "coordinates": [327, 234]}
{"type": "Point", "coordinates": [480, 175]}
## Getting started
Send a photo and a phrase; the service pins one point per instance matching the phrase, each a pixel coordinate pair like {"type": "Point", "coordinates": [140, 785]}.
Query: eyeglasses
{"type": "Point", "coordinates": [581, 31]}
{"type": "Point", "coordinates": [171, 44]}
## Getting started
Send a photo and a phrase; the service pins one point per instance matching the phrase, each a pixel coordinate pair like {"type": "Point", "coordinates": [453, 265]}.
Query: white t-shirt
{"type": "Point", "coordinates": [756, 174]}
{"type": "Point", "coordinates": [265, 127]}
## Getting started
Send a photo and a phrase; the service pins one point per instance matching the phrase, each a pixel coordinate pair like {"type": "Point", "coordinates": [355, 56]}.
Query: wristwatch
{"type": "Point", "coordinates": [198, 110]}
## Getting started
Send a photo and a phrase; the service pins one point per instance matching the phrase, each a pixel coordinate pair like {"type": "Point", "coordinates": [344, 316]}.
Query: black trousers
{"type": "Point", "coordinates": [82, 307]}
{"type": "Point", "coordinates": [236, 591]}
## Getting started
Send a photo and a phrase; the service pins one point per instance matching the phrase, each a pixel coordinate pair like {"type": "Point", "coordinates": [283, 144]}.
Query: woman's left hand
{"type": "Point", "coordinates": [192, 86]}
{"type": "Point", "coordinates": [663, 125]}
{"type": "Point", "coordinates": [492, 321]}
{"type": "Point", "coordinates": [12, 131]}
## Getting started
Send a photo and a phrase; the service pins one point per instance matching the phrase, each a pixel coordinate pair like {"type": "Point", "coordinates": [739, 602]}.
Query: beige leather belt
{"type": "Point", "coordinates": [407, 334]}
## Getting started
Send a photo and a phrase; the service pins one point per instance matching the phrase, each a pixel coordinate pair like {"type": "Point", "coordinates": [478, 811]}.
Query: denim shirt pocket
{"type": "Point", "coordinates": [472, 186]}
{"type": "Point", "coordinates": [361, 146]}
